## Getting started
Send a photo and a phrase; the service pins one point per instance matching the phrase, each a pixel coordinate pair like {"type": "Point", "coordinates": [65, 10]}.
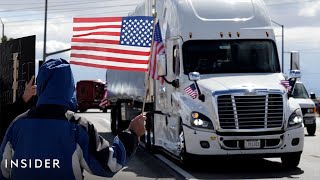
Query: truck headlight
{"type": "Point", "coordinates": [311, 110]}
{"type": "Point", "coordinates": [295, 118]}
{"type": "Point", "coordinates": [200, 121]}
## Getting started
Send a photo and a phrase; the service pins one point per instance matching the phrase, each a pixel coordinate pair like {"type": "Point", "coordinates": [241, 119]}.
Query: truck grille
{"type": "Point", "coordinates": [250, 112]}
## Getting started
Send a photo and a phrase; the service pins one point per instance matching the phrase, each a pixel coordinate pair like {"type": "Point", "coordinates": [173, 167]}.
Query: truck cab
{"type": "Point", "coordinates": [89, 94]}
{"type": "Point", "coordinates": [222, 93]}
{"type": "Point", "coordinates": [308, 108]}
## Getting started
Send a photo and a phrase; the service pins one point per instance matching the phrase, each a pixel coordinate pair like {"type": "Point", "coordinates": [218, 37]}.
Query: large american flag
{"type": "Point", "coordinates": [157, 48]}
{"type": "Point", "coordinates": [120, 43]}
{"type": "Point", "coordinates": [192, 91]}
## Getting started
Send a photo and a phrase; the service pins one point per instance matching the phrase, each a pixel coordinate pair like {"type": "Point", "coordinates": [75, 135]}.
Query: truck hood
{"type": "Point", "coordinates": [304, 103]}
{"type": "Point", "coordinates": [241, 81]}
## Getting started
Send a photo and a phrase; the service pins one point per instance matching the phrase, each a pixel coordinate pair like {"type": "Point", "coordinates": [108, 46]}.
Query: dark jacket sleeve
{"type": "Point", "coordinates": [10, 112]}
{"type": "Point", "coordinates": [97, 155]}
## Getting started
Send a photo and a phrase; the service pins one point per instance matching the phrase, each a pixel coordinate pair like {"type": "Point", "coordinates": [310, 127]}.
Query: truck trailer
{"type": "Point", "coordinates": [222, 94]}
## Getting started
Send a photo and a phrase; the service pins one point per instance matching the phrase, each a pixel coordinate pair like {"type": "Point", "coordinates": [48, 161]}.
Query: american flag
{"type": "Point", "coordinates": [104, 101]}
{"type": "Point", "coordinates": [157, 48]}
{"type": "Point", "coordinates": [192, 91]}
{"type": "Point", "coordinates": [286, 84]}
{"type": "Point", "coordinates": [120, 43]}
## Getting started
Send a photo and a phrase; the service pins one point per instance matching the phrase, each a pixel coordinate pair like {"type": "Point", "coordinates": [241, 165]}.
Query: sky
{"type": "Point", "coordinates": [300, 19]}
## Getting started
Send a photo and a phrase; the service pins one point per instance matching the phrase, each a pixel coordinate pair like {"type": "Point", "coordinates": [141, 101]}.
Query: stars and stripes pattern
{"type": "Point", "coordinates": [192, 91]}
{"type": "Point", "coordinates": [120, 43]}
{"type": "Point", "coordinates": [286, 84]}
{"type": "Point", "coordinates": [158, 48]}
{"type": "Point", "coordinates": [104, 102]}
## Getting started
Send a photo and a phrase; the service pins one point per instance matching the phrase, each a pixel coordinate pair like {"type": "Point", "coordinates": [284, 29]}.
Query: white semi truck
{"type": "Point", "coordinates": [223, 94]}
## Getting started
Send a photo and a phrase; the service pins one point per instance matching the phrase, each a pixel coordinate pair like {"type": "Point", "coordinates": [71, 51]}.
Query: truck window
{"type": "Point", "coordinates": [176, 60]}
{"type": "Point", "coordinates": [299, 91]}
{"type": "Point", "coordinates": [230, 56]}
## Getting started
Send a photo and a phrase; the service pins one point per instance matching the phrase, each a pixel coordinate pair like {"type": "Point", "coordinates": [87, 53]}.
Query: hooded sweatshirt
{"type": "Point", "coordinates": [52, 142]}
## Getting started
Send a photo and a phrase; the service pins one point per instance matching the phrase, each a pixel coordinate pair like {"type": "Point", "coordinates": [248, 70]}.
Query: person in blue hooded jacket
{"type": "Point", "coordinates": [52, 142]}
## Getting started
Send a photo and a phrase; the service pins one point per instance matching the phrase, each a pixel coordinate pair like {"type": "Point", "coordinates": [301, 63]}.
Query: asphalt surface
{"type": "Point", "coordinates": [147, 166]}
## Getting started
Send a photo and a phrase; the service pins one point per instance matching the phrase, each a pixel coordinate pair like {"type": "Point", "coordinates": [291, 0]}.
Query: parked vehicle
{"type": "Point", "coordinates": [223, 94]}
{"type": "Point", "coordinates": [89, 94]}
{"type": "Point", "coordinates": [308, 107]}
{"type": "Point", "coordinates": [316, 101]}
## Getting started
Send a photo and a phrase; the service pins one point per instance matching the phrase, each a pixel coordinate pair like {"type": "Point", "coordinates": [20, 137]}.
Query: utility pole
{"type": "Point", "coordinates": [45, 32]}
{"type": "Point", "coordinates": [282, 27]}
{"type": "Point", "coordinates": [2, 28]}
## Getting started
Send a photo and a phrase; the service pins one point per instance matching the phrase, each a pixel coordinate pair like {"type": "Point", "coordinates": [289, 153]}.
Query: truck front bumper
{"type": "Point", "coordinates": [210, 143]}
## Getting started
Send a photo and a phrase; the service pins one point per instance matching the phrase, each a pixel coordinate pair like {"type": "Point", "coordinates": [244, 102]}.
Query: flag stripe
{"type": "Point", "coordinates": [97, 19]}
{"type": "Point", "coordinates": [102, 41]}
{"type": "Point", "coordinates": [113, 55]}
{"type": "Point", "coordinates": [99, 33]}
{"type": "Point", "coordinates": [108, 66]}
{"type": "Point", "coordinates": [119, 23]}
{"type": "Point", "coordinates": [110, 63]}
{"type": "Point", "coordinates": [96, 27]}
{"type": "Point", "coordinates": [105, 58]}
{"type": "Point", "coordinates": [113, 38]}
{"type": "Point", "coordinates": [101, 49]}
{"type": "Point", "coordinates": [113, 46]}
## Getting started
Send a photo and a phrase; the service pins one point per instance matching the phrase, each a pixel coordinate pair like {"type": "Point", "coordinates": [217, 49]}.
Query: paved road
{"type": "Point", "coordinates": [146, 166]}
{"type": "Point", "coordinates": [142, 166]}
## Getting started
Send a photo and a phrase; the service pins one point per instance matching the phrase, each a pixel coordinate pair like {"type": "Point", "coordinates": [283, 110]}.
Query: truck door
{"type": "Point", "coordinates": [167, 132]}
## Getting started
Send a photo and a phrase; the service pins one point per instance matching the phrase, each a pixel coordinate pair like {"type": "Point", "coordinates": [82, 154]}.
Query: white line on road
{"type": "Point", "coordinates": [175, 167]}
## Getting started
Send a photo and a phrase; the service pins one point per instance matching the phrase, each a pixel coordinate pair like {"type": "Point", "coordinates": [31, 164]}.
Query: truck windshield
{"type": "Point", "coordinates": [232, 56]}
{"type": "Point", "coordinates": [299, 91]}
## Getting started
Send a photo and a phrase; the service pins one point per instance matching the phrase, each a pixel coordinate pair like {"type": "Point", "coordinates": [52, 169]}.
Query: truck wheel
{"type": "Point", "coordinates": [114, 123]}
{"type": "Point", "coordinates": [185, 158]}
{"type": "Point", "coordinates": [291, 161]}
{"type": "Point", "coordinates": [149, 135]}
{"type": "Point", "coordinates": [311, 130]}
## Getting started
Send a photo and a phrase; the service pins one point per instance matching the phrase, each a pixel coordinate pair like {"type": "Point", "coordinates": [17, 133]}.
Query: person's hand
{"type": "Point", "coordinates": [137, 125]}
{"type": "Point", "coordinates": [30, 90]}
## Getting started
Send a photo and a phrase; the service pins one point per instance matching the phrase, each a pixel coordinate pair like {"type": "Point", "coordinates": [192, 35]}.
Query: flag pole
{"type": "Point", "coordinates": [147, 78]}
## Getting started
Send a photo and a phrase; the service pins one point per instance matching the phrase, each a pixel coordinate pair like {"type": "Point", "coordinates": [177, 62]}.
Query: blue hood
{"type": "Point", "coordinates": [55, 84]}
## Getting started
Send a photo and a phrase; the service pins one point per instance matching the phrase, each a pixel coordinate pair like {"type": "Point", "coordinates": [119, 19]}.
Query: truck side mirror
{"type": "Point", "coordinates": [312, 95]}
{"type": "Point", "coordinates": [161, 65]}
{"type": "Point", "coordinates": [194, 76]}
{"type": "Point", "coordinates": [295, 74]}
{"type": "Point", "coordinates": [295, 60]}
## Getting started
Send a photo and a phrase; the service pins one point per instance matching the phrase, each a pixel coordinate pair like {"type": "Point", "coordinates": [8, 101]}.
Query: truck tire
{"type": "Point", "coordinates": [185, 157]}
{"type": "Point", "coordinates": [149, 136]}
{"type": "Point", "coordinates": [291, 160]}
{"type": "Point", "coordinates": [311, 130]}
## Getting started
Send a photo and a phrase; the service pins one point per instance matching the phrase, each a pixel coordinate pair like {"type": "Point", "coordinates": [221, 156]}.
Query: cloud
{"type": "Point", "coordinates": [52, 46]}
{"type": "Point", "coordinates": [310, 9]}
{"type": "Point", "coordinates": [300, 38]}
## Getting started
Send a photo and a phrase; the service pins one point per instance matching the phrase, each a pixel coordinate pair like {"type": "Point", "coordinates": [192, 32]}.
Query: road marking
{"type": "Point", "coordinates": [175, 167]}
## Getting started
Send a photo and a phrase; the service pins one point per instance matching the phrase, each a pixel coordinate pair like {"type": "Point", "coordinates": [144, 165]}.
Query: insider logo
{"type": "Point", "coordinates": [32, 163]}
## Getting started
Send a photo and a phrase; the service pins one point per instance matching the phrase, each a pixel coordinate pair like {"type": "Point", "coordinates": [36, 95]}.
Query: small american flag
{"type": "Point", "coordinates": [192, 91]}
{"type": "Point", "coordinates": [157, 48]}
{"type": "Point", "coordinates": [286, 84]}
{"type": "Point", "coordinates": [104, 102]}
{"type": "Point", "coordinates": [120, 43]}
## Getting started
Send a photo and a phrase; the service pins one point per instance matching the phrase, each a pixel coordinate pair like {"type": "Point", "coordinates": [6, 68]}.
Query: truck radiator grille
{"type": "Point", "coordinates": [250, 112]}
